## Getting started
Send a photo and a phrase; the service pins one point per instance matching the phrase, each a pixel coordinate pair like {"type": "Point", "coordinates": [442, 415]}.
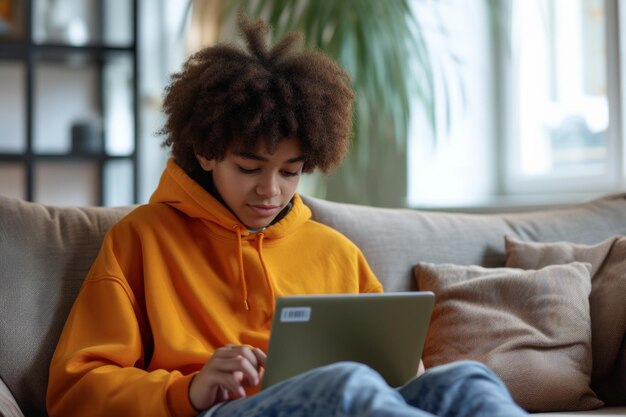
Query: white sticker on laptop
{"type": "Point", "coordinates": [295, 314]}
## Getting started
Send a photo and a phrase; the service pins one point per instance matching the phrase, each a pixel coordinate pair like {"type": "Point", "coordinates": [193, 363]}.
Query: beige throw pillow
{"type": "Point", "coordinates": [607, 302]}
{"type": "Point", "coordinates": [531, 327]}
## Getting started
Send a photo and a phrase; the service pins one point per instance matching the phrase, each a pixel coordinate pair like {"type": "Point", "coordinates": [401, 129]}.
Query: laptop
{"type": "Point", "coordinates": [385, 331]}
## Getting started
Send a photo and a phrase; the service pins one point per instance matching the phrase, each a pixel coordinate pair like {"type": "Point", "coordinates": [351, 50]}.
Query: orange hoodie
{"type": "Point", "coordinates": [176, 279]}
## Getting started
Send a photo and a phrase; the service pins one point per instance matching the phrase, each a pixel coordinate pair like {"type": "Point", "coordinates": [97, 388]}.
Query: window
{"type": "Point", "coordinates": [562, 130]}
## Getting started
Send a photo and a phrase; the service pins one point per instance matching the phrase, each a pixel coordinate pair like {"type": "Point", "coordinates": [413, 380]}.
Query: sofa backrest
{"type": "Point", "coordinates": [393, 240]}
{"type": "Point", "coordinates": [45, 252]}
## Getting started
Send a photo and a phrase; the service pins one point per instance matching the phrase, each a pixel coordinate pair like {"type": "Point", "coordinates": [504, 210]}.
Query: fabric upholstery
{"type": "Point", "coordinates": [393, 240]}
{"type": "Point", "coordinates": [45, 253]}
{"type": "Point", "coordinates": [607, 302]}
{"type": "Point", "coordinates": [8, 405]}
{"type": "Point", "coordinates": [531, 327]}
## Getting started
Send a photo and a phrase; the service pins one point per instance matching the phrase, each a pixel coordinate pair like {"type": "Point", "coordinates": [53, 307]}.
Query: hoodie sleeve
{"type": "Point", "coordinates": [367, 280]}
{"type": "Point", "coordinates": [96, 369]}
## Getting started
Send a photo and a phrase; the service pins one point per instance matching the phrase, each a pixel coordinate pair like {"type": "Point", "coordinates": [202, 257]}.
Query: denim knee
{"type": "Point", "coordinates": [362, 391]}
{"type": "Point", "coordinates": [463, 388]}
{"type": "Point", "coordinates": [348, 387]}
{"type": "Point", "coordinates": [468, 370]}
{"type": "Point", "coordinates": [444, 377]}
{"type": "Point", "coordinates": [341, 373]}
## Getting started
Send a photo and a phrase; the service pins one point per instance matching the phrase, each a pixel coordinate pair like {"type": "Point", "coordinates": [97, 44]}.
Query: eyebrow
{"type": "Point", "coordinates": [255, 157]}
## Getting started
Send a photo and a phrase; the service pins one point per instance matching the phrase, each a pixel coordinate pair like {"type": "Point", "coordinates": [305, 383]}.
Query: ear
{"type": "Point", "coordinates": [206, 164]}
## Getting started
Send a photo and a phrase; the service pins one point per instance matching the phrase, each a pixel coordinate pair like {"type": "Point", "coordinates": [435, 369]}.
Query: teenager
{"type": "Point", "coordinates": [173, 318]}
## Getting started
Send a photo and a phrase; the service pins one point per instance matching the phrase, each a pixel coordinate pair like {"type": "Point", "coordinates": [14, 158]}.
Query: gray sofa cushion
{"type": "Point", "coordinates": [394, 240]}
{"type": "Point", "coordinates": [45, 252]}
{"type": "Point", "coordinates": [8, 405]}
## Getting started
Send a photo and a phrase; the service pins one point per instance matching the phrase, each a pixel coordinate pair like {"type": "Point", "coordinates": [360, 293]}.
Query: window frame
{"type": "Point", "coordinates": [511, 182]}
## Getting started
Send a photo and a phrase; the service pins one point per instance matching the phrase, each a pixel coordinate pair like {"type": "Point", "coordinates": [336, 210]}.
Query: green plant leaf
{"type": "Point", "coordinates": [382, 44]}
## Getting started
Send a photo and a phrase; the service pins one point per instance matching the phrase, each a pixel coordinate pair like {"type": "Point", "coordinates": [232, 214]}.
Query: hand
{"type": "Point", "coordinates": [225, 375]}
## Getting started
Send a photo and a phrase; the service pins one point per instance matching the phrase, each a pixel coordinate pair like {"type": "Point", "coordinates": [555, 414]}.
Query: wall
{"type": "Point", "coordinates": [457, 167]}
{"type": "Point", "coordinates": [162, 51]}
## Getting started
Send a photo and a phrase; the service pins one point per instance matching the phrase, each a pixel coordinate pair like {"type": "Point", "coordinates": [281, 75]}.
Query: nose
{"type": "Point", "coordinates": [268, 185]}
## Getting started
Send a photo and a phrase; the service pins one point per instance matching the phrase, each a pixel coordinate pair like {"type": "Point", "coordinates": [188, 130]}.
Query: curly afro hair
{"type": "Point", "coordinates": [230, 98]}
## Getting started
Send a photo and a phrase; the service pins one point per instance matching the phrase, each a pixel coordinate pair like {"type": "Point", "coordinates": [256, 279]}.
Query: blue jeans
{"type": "Point", "coordinates": [459, 389]}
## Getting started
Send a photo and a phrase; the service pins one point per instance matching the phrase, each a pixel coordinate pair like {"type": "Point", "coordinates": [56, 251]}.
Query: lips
{"type": "Point", "coordinates": [264, 210]}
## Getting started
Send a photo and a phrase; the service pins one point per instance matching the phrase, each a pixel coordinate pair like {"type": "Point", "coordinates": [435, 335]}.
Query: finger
{"type": "Point", "coordinates": [257, 361]}
{"type": "Point", "coordinates": [227, 351]}
{"type": "Point", "coordinates": [261, 357]}
{"type": "Point", "coordinates": [255, 355]}
{"type": "Point", "coordinates": [225, 393]}
{"type": "Point", "coordinates": [240, 390]}
{"type": "Point", "coordinates": [231, 385]}
{"type": "Point", "coordinates": [231, 351]}
{"type": "Point", "coordinates": [237, 364]}
{"type": "Point", "coordinates": [248, 353]}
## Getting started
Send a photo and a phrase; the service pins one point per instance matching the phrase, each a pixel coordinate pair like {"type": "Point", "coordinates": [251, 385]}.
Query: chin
{"type": "Point", "coordinates": [259, 224]}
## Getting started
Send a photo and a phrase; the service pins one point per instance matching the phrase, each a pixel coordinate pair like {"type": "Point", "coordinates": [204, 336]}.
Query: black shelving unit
{"type": "Point", "coordinates": [94, 54]}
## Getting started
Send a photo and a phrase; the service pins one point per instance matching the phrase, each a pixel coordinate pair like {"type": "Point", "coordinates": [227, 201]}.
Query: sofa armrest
{"type": "Point", "coordinates": [8, 405]}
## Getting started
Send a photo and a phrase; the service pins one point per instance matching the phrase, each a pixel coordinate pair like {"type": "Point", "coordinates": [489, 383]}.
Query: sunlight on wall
{"type": "Point", "coordinates": [457, 168]}
{"type": "Point", "coordinates": [162, 52]}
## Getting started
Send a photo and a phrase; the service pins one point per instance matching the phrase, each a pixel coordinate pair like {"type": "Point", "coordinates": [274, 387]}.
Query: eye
{"type": "Point", "coordinates": [247, 171]}
{"type": "Point", "coordinates": [290, 173]}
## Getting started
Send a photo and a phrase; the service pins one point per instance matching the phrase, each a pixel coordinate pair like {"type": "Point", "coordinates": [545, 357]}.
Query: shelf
{"type": "Point", "coordinates": [10, 49]}
{"type": "Point", "coordinates": [20, 157]}
{"type": "Point", "coordinates": [16, 50]}
{"type": "Point", "coordinates": [50, 49]}
{"type": "Point", "coordinates": [60, 93]}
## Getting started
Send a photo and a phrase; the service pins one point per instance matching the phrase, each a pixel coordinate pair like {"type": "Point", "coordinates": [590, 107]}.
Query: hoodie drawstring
{"type": "Point", "coordinates": [265, 273]}
{"type": "Point", "coordinates": [242, 276]}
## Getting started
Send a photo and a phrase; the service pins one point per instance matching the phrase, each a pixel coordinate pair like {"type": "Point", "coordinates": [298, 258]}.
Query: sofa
{"type": "Point", "coordinates": [45, 252]}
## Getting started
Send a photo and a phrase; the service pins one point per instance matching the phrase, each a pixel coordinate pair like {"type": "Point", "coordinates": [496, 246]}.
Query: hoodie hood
{"type": "Point", "coordinates": [178, 190]}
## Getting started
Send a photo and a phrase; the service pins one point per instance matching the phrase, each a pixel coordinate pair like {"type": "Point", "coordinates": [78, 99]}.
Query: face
{"type": "Point", "coordinates": [256, 186]}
